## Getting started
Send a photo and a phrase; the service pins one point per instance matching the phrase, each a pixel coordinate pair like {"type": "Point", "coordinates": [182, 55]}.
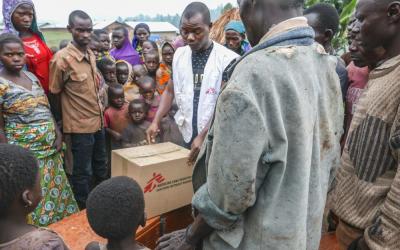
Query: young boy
{"type": "Point", "coordinates": [132, 89]}
{"type": "Point", "coordinates": [152, 63]}
{"type": "Point", "coordinates": [135, 134]}
{"type": "Point", "coordinates": [105, 43]}
{"type": "Point", "coordinates": [116, 115]}
{"type": "Point", "coordinates": [20, 194]}
{"type": "Point", "coordinates": [124, 71]}
{"type": "Point", "coordinates": [108, 70]}
{"type": "Point", "coordinates": [147, 90]}
{"type": "Point", "coordinates": [115, 210]}
{"type": "Point", "coordinates": [95, 45]}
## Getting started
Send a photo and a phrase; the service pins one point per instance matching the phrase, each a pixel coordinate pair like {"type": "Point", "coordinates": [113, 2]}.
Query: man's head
{"type": "Point", "coordinates": [80, 26]}
{"type": "Point", "coordinates": [118, 37]}
{"type": "Point", "coordinates": [258, 16]}
{"type": "Point", "coordinates": [116, 96]}
{"type": "Point", "coordinates": [108, 70]}
{"type": "Point", "coordinates": [138, 71]}
{"type": "Point", "coordinates": [379, 25]}
{"type": "Point", "coordinates": [23, 16]}
{"type": "Point", "coordinates": [152, 62]}
{"type": "Point", "coordinates": [122, 72]}
{"type": "Point", "coordinates": [20, 190]}
{"type": "Point", "coordinates": [234, 35]}
{"type": "Point", "coordinates": [324, 19]}
{"type": "Point", "coordinates": [138, 109]}
{"type": "Point", "coordinates": [147, 87]}
{"type": "Point", "coordinates": [115, 208]}
{"type": "Point", "coordinates": [104, 39]}
{"type": "Point", "coordinates": [195, 26]}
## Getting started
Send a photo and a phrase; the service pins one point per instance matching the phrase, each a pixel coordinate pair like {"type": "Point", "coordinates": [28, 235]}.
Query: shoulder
{"type": "Point", "coordinates": [224, 51]}
{"type": "Point", "coordinates": [46, 239]}
{"type": "Point", "coordinates": [62, 58]}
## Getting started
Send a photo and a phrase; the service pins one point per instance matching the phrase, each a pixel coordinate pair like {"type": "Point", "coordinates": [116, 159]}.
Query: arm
{"type": "Point", "coordinates": [165, 105]}
{"type": "Point", "coordinates": [56, 84]}
{"type": "Point", "coordinates": [3, 138]}
{"type": "Point", "coordinates": [115, 135]}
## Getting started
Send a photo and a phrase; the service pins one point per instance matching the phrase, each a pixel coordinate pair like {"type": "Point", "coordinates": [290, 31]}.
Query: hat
{"type": "Point", "coordinates": [236, 26]}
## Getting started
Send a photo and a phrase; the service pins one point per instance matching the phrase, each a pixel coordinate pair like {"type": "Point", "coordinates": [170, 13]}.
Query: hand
{"type": "Point", "coordinates": [195, 149]}
{"type": "Point", "coordinates": [58, 142]}
{"type": "Point", "coordinates": [174, 241]}
{"type": "Point", "coordinates": [152, 132]}
{"type": "Point", "coordinates": [117, 136]}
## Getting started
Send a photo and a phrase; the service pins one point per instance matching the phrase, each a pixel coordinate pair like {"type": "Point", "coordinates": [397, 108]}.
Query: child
{"type": "Point", "coordinates": [115, 210]}
{"type": "Point", "coordinates": [63, 44]}
{"type": "Point", "coordinates": [152, 63]}
{"type": "Point", "coordinates": [20, 194]}
{"type": "Point", "coordinates": [164, 72]}
{"type": "Point", "coordinates": [169, 129]}
{"type": "Point", "coordinates": [147, 89]}
{"type": "Point", "coordinates": [124, 72]}
{"type": "Point", "coordinates": [108, 70]}
{"type": "Point", "coordinates": [105, 42]}
{"type": "Point", "coordinates": [135, 134]}
{"type": "Point", "coordinates": [132, 89]}
{"type": "Point", "coordinates": [95, 45]}
{"type": "Point", "coordinates": [116, 115]}
{"type": "Point", "coordinates": [149, 46]}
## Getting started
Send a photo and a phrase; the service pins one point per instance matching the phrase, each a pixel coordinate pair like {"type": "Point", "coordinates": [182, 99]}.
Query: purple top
{"type": "Point", "coordinates": [127, 52]}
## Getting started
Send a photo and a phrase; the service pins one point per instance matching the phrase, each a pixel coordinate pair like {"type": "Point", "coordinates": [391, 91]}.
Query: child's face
{"type": "Point", "coordinates": [95, 47]}
{"type": "Point", "coordinates": [147, 90]}
{"type": "Point", "coordinates": [152, 63]}
{"type": "Point", "coordinates": [105, 42]}
{"type": "Point", "coordinates": [137, 112]}
{"type": "Point", "coordinates": [142, 35]}
{"type": "Point", "coordinates": [117, 97]}
{"type": "Point", "coordinates": [168, 54]}
{"type": "Point", "coordinates": [110, 73]}
{"type": "Point", "coordinates": [147, 47]}
{"type": "Point", "coordinates": [122, 73]}
{"type": "Point", "coordinates": [118, 38]}
{"type": "Point", "coordinates": [138, 71]}
{"type": "Point", "coordinates": [12, 55]}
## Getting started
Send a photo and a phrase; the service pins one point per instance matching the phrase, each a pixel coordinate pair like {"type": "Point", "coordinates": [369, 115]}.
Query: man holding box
{"type": "Point", "coordinates": [262, 176]}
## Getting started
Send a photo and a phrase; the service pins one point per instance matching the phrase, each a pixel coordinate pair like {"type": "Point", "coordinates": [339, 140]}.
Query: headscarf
{"type": "Point", "coordinates": [127, 52]}
{"type": "Point", "coordinates": [130, 69]}
{"type": "Point", "coordinates": [9, 6]}
{"type": "Point", "coordinates": [135, 41]}
{"type": "Point", "coordinates": [236, 26]}
{"type": "Point", "coordinates": [178, 42]}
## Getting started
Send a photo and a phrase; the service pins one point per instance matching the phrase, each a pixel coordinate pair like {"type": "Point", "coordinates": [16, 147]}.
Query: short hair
{"type": "Point", "coordinates": [18, 172]}
{"type": "Point", "coordinates": [99, 32]}
{"type": "Point", "coordinates": [115, 208]}
{"type": "Point", "coordinates": [77, 13]}
{"type": "Point", "coordinates": [63, 43]}
{"type": "Point", "coordinates": [114, 87]}
{"type": "Point", "coordinates": [152, 53]}
{"type": "Point", "coordinates": [146, 79]}
{"type": "Point", "coordinates": [288, 4]}
{"type": "Point", "coordinates": [328, 16]}
{"type": "Point", "coordinates": [118, 63]}
{"type": "Point", "coordinates": [141, 102]}
{"type": "Point", "coordinates": [197, 8]}
{"type": "Point", "coordinates": [153, 44]}
{"type": "Point", "coordinates": [103, 63]}
{"type": "Point", "coordinates": [7, 38]}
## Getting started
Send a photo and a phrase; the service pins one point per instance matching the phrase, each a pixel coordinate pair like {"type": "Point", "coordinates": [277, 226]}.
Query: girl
{"type": "Point", "coordinates": [164, 72]}
{"type": "Point", "coordinates": [20, 193]}
{"type": "Point", "coordinates": [123, 49]}
{"type": "Point", "coordinates": [20, 19]}
{"type": "Point", "coordinates": [26, 120]}
{"type": "Point", "coordinates": [141, 34]}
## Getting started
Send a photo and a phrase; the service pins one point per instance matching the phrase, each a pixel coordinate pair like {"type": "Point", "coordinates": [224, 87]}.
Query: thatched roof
{"type": "Point", "coordinates": [217, 30]}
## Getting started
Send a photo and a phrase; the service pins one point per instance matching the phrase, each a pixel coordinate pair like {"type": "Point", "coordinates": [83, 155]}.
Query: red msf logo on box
{"type": "Point", "coordinates": [153, 183]}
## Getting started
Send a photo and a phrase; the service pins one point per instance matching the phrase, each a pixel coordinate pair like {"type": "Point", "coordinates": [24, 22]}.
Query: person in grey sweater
{"type": "Point", "coordinates": [262, 175]}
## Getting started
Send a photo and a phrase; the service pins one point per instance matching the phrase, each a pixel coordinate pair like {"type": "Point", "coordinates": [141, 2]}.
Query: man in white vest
{"type": "Point", "coordinates": [197, 76]}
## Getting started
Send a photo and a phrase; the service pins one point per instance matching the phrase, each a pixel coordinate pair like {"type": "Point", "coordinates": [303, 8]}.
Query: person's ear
{"type": "Point", "coordinates": [328, 35]}
{"type": "Point", "coordinates": [69, 28]}
{"type": "Point", "coordinates": [393, 11]}
{"type": "Point", "coordinates": [27, 198]}
{"type": "Point", "coordinates": [144, 219]}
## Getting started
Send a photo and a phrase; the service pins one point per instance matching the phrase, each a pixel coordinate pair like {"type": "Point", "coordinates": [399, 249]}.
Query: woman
{"type": "Point", "coordinates": [122, 47]}
{"type": "Point", "coordinates": [26, 120]}
{"type": "Point", "coordinates": [164, 72]}
{"type": "Point", "coordinates": [141, 34]}
{"type": "Point", "coordinates": [20, 19]}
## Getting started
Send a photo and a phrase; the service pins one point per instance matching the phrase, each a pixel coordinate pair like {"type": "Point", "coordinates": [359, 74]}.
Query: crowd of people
{"type": "Point", "coordinates": [284, 133]}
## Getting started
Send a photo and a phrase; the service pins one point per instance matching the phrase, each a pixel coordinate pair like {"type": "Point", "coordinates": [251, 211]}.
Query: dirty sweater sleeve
{"type": "Point", "coordinates": [238, 146]}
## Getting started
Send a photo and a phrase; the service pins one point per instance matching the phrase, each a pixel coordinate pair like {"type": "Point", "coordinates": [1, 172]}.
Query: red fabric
{"type": "Point", "coordinates": [38, 57]}
{"type": "Point", "coordinates": [116, 119]}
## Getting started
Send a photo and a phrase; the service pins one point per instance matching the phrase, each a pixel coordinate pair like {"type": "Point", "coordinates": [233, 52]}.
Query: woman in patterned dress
{"type": "Point", "coordinates": [26, 120]}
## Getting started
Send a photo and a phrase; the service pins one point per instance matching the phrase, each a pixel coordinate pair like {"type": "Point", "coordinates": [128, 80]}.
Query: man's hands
{"type": "Point", "coordinates": [195, 148]}
{"type": "Point", "coordinates": [58, 142]}
{"type": "Point", "coordinates": [174, 241]}
{"type": "Point", "coordinates": [152, 132]}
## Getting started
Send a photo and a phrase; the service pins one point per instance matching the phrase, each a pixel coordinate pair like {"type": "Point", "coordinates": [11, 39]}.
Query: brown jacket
{"type": "Point", "coordinates": [73, 76]}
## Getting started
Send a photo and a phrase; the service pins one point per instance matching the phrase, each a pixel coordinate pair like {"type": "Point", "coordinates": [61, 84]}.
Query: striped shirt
{"type": "Point", "coordinates": [367, 190]}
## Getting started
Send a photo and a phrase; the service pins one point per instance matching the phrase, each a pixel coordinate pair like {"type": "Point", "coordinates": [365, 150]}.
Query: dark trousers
{"type": "Point", "coordinates": [89, 163]}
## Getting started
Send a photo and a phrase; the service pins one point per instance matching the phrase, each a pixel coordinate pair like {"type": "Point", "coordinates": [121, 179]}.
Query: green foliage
{"type": "Point", "coordinates": [345, 9]}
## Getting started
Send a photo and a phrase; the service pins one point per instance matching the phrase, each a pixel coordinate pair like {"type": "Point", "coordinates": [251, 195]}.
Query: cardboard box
{"type": "Point", "coordinates": [162, 172]}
